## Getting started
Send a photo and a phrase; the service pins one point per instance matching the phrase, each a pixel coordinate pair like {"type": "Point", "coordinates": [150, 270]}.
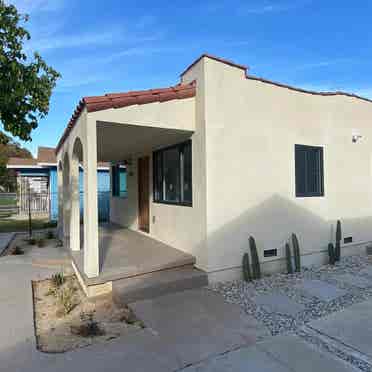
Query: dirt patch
{"type": "Point", "coordinates": [65, 319]}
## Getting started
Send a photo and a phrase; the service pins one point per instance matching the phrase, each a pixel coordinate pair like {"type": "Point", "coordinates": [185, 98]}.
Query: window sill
{"type": "Point", "coordinates": [179, 204]}
{"type": "Point", "coordinates": [310, 196]}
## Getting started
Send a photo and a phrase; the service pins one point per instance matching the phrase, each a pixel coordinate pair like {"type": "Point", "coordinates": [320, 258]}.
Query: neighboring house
{"type": "Point", "coordinates": [40, 175]}
{"type": "Point", "coordinates": [219, 157]}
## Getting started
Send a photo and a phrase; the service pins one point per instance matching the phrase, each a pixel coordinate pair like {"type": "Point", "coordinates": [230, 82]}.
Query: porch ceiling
{"type": "Point", "coordinates": [117, 142]}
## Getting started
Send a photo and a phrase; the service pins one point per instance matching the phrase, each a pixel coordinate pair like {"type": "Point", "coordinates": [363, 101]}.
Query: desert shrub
{"type": "Point", "coordinates": [18, 251]}
{"type": "Point", "coordinates": [89, 327]}
{"type": "Point", "coordinates": [288, 259]}
{"type": "Point", "coordinates": [247, 275]}
{"type": "Point", "coordinates": [338, 241]}
{"type": "Point", "coordinates": [58, 279]}
{"type": "Point", "coordinates": [296, 253]}
{"type": "Point", "coordinates": [331, 254]}
{"type": "Point", "coordinates": [256, 268]}
{"type": "Point", "coordinates": [66, 300]}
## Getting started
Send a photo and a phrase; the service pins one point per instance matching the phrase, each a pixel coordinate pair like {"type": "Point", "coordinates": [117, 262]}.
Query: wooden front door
{"type": "Point", "coordinates": [143, 194]}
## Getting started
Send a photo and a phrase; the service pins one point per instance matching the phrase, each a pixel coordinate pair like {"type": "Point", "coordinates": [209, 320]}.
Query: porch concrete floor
{"type": "Point", "coordinates": [125, 253]}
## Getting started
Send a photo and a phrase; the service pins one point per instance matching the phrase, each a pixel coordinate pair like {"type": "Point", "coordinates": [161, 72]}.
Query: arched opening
{"type": "Point", "coordinates": [66, 204]}
{"type": "Point", "coordinates": [76, 196]}
{"type": "Point", "coordinates": [60, 199]}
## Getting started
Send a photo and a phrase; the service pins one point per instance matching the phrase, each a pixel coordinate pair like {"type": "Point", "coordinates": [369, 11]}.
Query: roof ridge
{"type": "Point", "coordinates": [215, 58]}
{"type": "Point", "coordinates": [308, 91]}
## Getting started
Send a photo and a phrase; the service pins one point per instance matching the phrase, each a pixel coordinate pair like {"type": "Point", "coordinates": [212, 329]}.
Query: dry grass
{"type": "Point", "coordinates": [65, 319]}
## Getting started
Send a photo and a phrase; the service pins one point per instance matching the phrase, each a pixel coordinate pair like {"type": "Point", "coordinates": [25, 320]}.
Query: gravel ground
{"type": "Point", "coordinates": [243, 293]}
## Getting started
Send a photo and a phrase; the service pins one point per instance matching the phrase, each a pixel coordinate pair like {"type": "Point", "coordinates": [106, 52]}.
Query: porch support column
{"type": "Point", "coordinates": [91, 248]}
{"type": "Point", "coordinates": [60, 201]}
{"type": "Point", "coordinates": [66, 201]}
{"type": "Point", "coordinates": [75, 206]}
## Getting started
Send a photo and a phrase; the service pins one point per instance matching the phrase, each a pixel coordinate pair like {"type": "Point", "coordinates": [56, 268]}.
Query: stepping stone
{"type": "Point", "coordinates": [278, 303]}
{"type": "Point", "coordinates": [322, 290]}
{"type": "Point", "coordinates": [366, 271]}
{"type": "Point", "coordinates": [351, 327]}
{"type": "Point", "coordinates": [355, 280]}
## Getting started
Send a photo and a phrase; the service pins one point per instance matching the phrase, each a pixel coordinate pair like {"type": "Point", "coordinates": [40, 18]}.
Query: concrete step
{"type": "Point", "coordinates": [151, 285]}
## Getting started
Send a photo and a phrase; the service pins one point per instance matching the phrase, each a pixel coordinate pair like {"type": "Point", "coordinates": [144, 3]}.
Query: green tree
{"type": "Point", "coordinates": [9, 148]}
{"type": "Point", "coordinates": [26, 83]}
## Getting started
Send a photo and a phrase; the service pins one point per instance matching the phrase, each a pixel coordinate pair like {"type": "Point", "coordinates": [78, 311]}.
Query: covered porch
{"type": "Point", "coordinates": [125, 254]}
{"type": "Point", "coordinates": [125, 137]}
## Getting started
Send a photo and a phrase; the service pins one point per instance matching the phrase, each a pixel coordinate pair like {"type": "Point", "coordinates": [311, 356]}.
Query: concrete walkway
{"type": "Point", "coordinates": [193, 331]}
{"type": "Point", "coordinates": [5, 239]}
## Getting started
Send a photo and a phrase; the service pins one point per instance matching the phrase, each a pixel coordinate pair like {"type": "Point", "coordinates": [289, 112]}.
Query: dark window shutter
{"type": "Point", "coordinates": [309, 170]}
{"type": "Point", "coordinates": [300, 160]}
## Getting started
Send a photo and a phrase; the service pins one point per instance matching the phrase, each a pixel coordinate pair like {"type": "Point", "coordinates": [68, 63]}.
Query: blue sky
{"type": "Point", "coordinates": [115, 45]}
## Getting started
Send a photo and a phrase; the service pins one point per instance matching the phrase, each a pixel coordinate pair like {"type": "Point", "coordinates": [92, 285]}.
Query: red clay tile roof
{"type": "Point", "coordinates": [22, 162]}
{"type": "Point", "coordinates": [46, 155]}
{"type": "Point", "coordinates": [119, 100]}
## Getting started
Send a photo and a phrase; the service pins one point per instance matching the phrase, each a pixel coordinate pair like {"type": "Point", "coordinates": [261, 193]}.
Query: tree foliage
{"type": "Point", "coordinates": [26, 83]}
{"type": "Point", "coordinates": [9, 148]}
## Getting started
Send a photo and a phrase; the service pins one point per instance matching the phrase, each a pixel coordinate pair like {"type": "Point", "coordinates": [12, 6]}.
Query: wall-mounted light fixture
{"type": "Point", "coordinates": [356, 136]}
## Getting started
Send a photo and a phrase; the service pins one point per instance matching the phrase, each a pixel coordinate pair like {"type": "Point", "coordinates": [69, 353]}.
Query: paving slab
{"type": "Point", "coordinates": [322, 290]}
{"type": "Point", "coordinates": [279, 303]}
{"type": "Point", "coordinates": [352, 326]}
{"type": "Point", "coordinates": [287, 353]}
{"type": "Point", "coordinates": [301, 356]}
{"type": "Point", "coordinates": [197, 324]}
{"type": "Point", "coordinates": [5, 239]}
{"type": "Point", "coordinates": [243, 360]}
{"type": "Point", "coordinates": [355, 280]}
{"type": "Point", "coordinates": [366, 271]}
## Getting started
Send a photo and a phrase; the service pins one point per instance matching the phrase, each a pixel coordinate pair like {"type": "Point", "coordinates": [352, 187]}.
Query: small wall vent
{"type": "Point", "coordinates": [270, 253]}
{"type": "Point", "coordinates": [348, 240]}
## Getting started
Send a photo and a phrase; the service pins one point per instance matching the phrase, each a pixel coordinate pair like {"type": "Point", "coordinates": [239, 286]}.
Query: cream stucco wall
{"type": "Point", "coordinates": [179, 226]}
{"type": "Point", "coordinates": [251, 130]}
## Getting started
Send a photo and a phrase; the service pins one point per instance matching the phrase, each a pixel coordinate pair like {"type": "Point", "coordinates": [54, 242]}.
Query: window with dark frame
{"type": "Point", "coordinates": [309, 171]}
{"type": "Point", "coordinates": [172, 175]}
{"type": "Point", "coordinates": [119, 182]}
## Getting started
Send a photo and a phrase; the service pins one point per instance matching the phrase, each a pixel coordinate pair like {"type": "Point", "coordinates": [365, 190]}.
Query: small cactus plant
{"type": "Point", "coordinates": [331, 254]}
{"type": "Point", "coordinates": [247, 275]}
{"type": "Point", "coordinates": [296, 253]}
{"type": "Point", "coordinates": [288, 258]}
{"type": "Point", "coordinates": [256, 269]}
{"type": "Point", "coordinates": [338, 241]}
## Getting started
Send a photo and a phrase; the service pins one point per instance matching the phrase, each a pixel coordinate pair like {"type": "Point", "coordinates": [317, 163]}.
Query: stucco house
{"type": "Point", "coordinates": [291, 160]}
{"type": "Point", "coordinates": [40, 175]}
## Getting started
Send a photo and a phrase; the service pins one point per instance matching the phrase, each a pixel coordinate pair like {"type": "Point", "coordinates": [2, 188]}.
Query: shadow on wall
{"type": "Point", "coordinates": [271, 223]}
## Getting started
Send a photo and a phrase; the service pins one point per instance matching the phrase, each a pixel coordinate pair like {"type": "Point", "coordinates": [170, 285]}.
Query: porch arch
{"type": "Point", "coordinates": [76, 161]}
{"type": "Point", "coordinates": [60, 199]}
{"type": "Point", "coordinates": [66, 201]}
